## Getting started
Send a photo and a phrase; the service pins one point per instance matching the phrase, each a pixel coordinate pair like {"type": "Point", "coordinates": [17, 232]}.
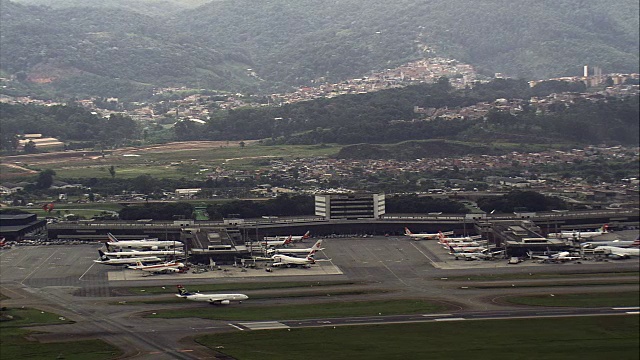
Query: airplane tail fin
{"type": "Point", "coordinates": [452, 249]}
{"type": "Point", "coordinates": [111, 237]}
{"type": "Point", "coordinates": [317, 245]}
{"type": "Point", "coordinates": [407, 231]}
{"type": "Point", "coordinates": [306, 235]}
{"type": "Point", "coordinates": [103, 257]}
{"type": "Point", "coordinates": [310, 255]}
{"type": "Point", "coordinates": [182, 291]}
{"type": "Point", "coordinates": [288, 241]}
{"type": "Point", "coordinates": [605, 228]}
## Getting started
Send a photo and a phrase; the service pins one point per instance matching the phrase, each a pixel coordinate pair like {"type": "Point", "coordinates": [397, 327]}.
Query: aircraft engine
{"type": "Point", "coordinates": [224, 302]}
{"type": "Point", "coordinates": [154, 248]}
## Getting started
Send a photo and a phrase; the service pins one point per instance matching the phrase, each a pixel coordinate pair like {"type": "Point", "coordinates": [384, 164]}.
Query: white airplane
{"type": "Point", "coordinates": [104, 259]}
{"type": "Point", "coordinates": [577, 234]}
{"type": "Point", "coordinates": [315, 247]}
{"type": "Point", "coordinates": [446, 242]}
{"type": "Point", "coordinates": [294, 238]}
{"type": "Point", "coordinates": [136, 253]}
{"type": "Point", "coordinates": [559, 256]}
{"type": "Point", "coordinates": [274, 243]}
{"type": "Point", "coordinates": [430, 236]}
{"type": "Point", "coordinates": [481, 255]}
{"type": "Point", "coordinates": [214, 299]}
{"type": "Point", "coordinates": [147, 244]}
{"type": "Point", "coordinates": [616, 243]}
{"type": "Point", "coordinates": [289, 261]}
{"type": "Point", "coordinates": [618, 252]}
{"type": "Point", "coordinates": [167, 267]}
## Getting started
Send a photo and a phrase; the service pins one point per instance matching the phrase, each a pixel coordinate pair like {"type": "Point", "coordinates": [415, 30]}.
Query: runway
{"type": "Point", "coordinates": [66, 281]}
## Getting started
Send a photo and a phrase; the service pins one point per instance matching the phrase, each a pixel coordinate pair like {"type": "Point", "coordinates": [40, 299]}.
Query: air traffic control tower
{"type": "Point", "coordinates": [350, 206]}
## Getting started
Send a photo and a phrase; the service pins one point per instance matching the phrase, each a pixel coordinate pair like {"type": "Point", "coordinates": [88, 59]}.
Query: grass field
{"type": "Point", "coordinates": [533, 275]}
{"type": "Point", "coordinates": [631, 298]}
{"type": "Point", "coordinates": [154, 290]}
{"type": "Point", "coordinates": [16, 343]}
{"type": "Point", "coordinates": [305, 311]}
{"type": "Point", "coordinates": [278, 295]}
{"type": "Point", "coordinates": [185, 163]}
{"type": "Point", "coordinates": [584, 338]}
{"type": "Point", "coordinates": [559, 283]}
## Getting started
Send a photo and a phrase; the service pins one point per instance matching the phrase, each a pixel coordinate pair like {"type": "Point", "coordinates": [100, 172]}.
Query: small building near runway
{"type": "Point", "coordinates": [520, 237]}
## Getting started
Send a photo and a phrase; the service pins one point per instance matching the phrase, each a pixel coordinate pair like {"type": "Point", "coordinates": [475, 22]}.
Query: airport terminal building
{"type": "Point", "coordinates": [350, 206]}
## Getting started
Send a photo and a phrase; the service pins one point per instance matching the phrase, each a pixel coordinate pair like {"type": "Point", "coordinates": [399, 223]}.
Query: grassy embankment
{"type": "Point", "coordinates": [173, 164]}
{"type": "Point", "coordinates": [304, 311]}
{"type": "Point", "coordinates": [617, 299]}
{"type": "Point", "coordinates": [584, 338]}
{"type": "Point", "coordinates": [14, 337]}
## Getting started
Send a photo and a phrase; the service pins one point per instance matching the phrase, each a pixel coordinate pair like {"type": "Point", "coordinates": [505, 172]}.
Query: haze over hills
{"type": "Point", "coordinates": [124, 49]}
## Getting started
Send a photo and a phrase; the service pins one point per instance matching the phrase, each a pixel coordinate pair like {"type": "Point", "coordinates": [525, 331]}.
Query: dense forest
{"type": "Point", "coordinates": [388, 117]}
{"type": "Point", "coordinates": [74, 125]}
{"type": "Point", "coordinates": [119, 49]}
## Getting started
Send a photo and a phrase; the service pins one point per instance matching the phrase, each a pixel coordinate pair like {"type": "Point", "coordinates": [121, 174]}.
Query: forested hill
{"type": "Point", "coordinates": [302, 40]}
{"type": "Point", "coordinates": [120, 52]}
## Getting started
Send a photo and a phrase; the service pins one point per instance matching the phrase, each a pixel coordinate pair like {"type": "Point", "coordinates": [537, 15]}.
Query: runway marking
{"type": "Point", "coordinates": [38, 267]}
{"type": "Point", "coordinates": [450, 319]}
{"type": "Point", "coordinates": [236, 326]}
{"type": "Point", "coordinates": [264, 325]}
{"type": "Point", "coordinates": [435, 315]}
{"type": "Point", "coordinates": [421, 252]}
{"type": "Point", "coordinates": [627, 308]}
{"type": "Point", "coordinates": [633, 312]}
{"type": "Point", "coordinates": [84, 273]}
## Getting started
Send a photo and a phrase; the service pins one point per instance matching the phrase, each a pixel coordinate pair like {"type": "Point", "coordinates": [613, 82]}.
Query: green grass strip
{"type": "Point", "coordinates": [631, 298]}
{"type": "Point", "coordinates": [154, 290]}
{"type": "Point", "coordinates": [304, 311]}
{"type": "Point", "coordinates": [19, 317]}
{"type": "Point", "coordinates": [583, 338]}
{"type": "Point", "coordinates": [533, 275]}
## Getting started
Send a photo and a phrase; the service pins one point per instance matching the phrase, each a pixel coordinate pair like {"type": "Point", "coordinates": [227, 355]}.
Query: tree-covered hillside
{"type": "Point", "coordinates": [118, 51]}
{"type": "Point", "coordinates": [295, 41]}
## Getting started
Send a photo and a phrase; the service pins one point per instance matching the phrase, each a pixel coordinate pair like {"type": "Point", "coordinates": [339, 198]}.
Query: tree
{"type": "Point", "coordinates": [45, 179]}
{"type": "Point", "coordinates": [112, 171]}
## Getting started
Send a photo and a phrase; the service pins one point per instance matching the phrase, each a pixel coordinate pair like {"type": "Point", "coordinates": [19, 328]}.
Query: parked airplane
{"type": "Point", "coordinates": [104, 259]}
{"type": "Point", "coordinates": [294, 238]}
{"type": "Point", "coordinates": [481, 255]}
{"type": "Point", "coordinates": [618, 252]}
{"type": "Point", "coordinates": [167, 267]}
{"type": "Point", "coordinates": [214, 299]}
{"type": "Point", "coordinates": [617, 243]}
{"type": "Point", "coordinates": [557, 257]}
{"type": "Point", "coordinates": [274, 243]}
{"type": "Point", "coordinates": [446, 242]}
{"type": "Point", "coordinates": [289, 261]}
{"type": "Point", "coordinates": [147, 244]}
{"type": "Point", "coordinates": [136, 253]}
{"type": "Point", "coordinates": [430, 236]}
{"type": "Point", "coordinates": [577, 234]}
{"type": "Point", "coordinates": [315, 247]}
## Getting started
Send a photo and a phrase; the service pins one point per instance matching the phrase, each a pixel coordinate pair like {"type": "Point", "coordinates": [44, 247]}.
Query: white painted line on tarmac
{"type": "Point", "coordinates": [84, 273]}
{"type": "Point", "coordinates": [435, 315]}
{"type": "Point", "coordinates": [450, 319]}
{"type": "Point", "coordinates": [627, 308]}
{"type": "Point", "coordinates": [633, 312]}
{"type": "Point", "coordinates": [236, 326]}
